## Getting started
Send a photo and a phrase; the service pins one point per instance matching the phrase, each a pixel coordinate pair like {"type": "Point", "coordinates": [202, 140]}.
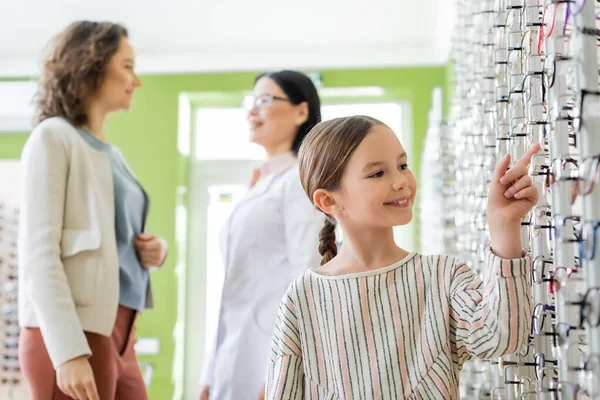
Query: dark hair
{"type": "Point", "coordinates": [75, 67]}
{"type": "Point", "coordinates": [322, 160]}
{"type": "Point", "coordinates": [299, 88]}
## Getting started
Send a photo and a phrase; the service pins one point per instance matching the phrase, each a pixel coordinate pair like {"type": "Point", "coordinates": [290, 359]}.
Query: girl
{"type": "Point", "coordinates": [376, 321]}
{"type": "Point", "coordinates": [83, 254]}
{"type": "Point", "coordinates": [270, 238]}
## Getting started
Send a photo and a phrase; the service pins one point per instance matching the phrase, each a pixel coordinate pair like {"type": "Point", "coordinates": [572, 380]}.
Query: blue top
{"type": "Point", "coordinates": [130, 201]}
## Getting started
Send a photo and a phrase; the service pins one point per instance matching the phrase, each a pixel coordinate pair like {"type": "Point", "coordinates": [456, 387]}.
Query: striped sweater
{"type": "Point", "coordinates": [403, 331]}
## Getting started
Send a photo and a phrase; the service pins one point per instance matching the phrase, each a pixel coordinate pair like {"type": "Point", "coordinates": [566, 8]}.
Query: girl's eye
{"type": "Point", "coordinates": [403, 167]}
{"type": "Point", "coordinates": [377, 174]}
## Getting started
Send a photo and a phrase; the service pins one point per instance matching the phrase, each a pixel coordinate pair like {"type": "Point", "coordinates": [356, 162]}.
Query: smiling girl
{"type": "Point", "coordinates": [376, 321]}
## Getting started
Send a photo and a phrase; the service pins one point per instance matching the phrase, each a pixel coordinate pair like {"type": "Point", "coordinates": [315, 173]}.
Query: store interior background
{"type": "Point", "coordinates": [196, 60]}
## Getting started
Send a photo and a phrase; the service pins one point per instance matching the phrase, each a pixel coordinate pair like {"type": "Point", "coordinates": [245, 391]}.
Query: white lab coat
{"type": "Point", "coordinates": [270, 238]}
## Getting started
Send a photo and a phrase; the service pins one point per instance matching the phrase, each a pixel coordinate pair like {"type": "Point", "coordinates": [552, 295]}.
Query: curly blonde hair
{"type": "Point", "coordinates": [75, 67]}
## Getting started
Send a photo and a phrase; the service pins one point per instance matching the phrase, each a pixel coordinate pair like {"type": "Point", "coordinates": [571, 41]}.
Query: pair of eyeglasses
{"type": "Point", "coordinates": [540, 361]}
{"type": "Point", "coordinates": [12, 275]}
{"type": "Point", "coordinates": [591, 374]}
{"type": "Point", "coordinates": [557, 280]}
{"type": "Point", "coordinates": [561, 332]}
{"type": "Point", "coordinates": [580, 111]}
{"type": "Point", "coordinates": [564, 169]}
{"type": "Point", "coordinates": [10, 287]}
{"type": "Point", "coordinates": [538, 317]}
{"type": "Point", "coordinates": [12, 266]}
{"type": "Point", "coordinates": [561, 277]}
{"type": "Point", "coordinates": [566, 390]}
{"type": "Point", "coordinates": [12, 330]}
{"type": "Point", "coordinates": [554, 64]}
{"type": "Point", "coordinates": [538, 270]}
{"type": "Point", "coordinates": [505, 366]}
{"type": "Point", "coordinates": [10, 357]}
{"type": "Point", "coordinates": [549, 20]}
{"type": "Point", "coordinates": [11, 297]}
{"type": "Point", "coordinates": [9, 344]}
{"type": "Point", "coordinates": [540, 165]}
{"type": "Point", "coordinates": [15, 369]}
{"type": "Point", "coordinates": [563, 121]}
{"type": "Point", "coordinates": [589, 239]}
{"type": "Point", "coordinates": [539, 219]}
{"type": "Point", "coordinates": [524, 352]}
{"type": "Point", "coordinates": [589, 308]}
{"type": "Point", "coordinates": [539, 110]}
{"type": "Point", "coordinates": [11, 321]}
{"type": "Point", "coordinates": [9, 309]}
{"type": "Point", "coordinates": [261, 101]}
{"type": "Point", "coordinates": [588, 174]}
{"type": "Point", "coordinates": [566, 234]}
{"type": "Point", "coordinates": [11, 256]}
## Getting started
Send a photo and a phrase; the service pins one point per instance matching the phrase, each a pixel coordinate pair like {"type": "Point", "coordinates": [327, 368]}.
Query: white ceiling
{"type": "Point", "coordinates": [222, 35]}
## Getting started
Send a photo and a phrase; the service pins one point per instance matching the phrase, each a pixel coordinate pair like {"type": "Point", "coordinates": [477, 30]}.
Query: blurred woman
{"type": "Point", "coordinates": [270, 238]}
{"type": "Point", "coordinates": [83, 253]}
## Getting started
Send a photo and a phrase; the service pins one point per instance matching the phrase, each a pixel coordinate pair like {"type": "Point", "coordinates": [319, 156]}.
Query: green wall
{"type": "Point", "coordinates": [147, 136]}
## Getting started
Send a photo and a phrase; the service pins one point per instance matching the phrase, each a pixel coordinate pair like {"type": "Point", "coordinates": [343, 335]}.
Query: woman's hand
{"type": "Point", "coordinates": [261, 395]}
{"type": "Point", "coordinates": [75, 378]}
{"type": "Point", "coordinates": [151, 250]}
{"type": "Point", "coordinates": [511, 196]}
{"type": "Point", "coordinates": [205, 393]}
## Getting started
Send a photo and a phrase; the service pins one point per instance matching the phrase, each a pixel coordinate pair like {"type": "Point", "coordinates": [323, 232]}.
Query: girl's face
{"type": "Point", "coordinates": [377, 189]}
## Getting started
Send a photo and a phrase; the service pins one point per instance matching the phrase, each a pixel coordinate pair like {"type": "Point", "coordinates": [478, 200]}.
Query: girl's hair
{"type": "Point", "coordinates": [75, 67]}
{"type": "Point", "coordinates": [323, 158]}
{"type": "Point", "coordinates": [299, 88]}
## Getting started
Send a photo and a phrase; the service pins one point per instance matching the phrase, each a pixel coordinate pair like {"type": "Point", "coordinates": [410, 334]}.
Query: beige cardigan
{"type": "Point", "coordinates": [68, 262]}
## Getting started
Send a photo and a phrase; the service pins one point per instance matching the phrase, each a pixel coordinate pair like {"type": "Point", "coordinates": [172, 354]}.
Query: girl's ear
{"type": "Point", "coordinates": [326, 202]}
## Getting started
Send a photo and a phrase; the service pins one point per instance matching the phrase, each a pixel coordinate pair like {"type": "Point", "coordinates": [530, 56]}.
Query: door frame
{"type": "Point", "coordinates": [194, 179]}
{"type": "Point", "coordinates": [203, 174]}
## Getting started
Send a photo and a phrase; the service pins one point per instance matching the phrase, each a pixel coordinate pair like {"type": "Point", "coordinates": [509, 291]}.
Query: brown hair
{"type": "Point", "coordinates": [322, 159]}
{"type": "Point", "coordinates": [75, 67]}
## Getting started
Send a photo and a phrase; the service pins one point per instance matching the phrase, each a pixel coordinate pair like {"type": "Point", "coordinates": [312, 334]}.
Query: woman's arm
{"type": "Point", "coordinates": [45, 167]}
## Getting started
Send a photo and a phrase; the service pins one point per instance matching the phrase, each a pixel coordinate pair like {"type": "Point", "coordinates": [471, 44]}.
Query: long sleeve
{"type": "Point", "coordinates": [490, 318]}
{"type": "Point", "coordinates": [207, 369]}
{"type": "Point", "coordinates": [302, 225]}
{"type": "Point", "coordinates": [45, 168]}
{"type": "Point", "coordinates": [285, 374]}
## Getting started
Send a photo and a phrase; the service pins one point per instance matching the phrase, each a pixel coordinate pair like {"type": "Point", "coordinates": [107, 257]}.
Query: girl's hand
{"type": "Point", "coordinates": [510, 198]}
{"type": "Point", "coordinates": [512, 193]}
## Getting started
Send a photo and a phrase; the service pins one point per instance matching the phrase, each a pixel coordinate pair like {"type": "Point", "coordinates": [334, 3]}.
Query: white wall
{"type": "Point", "coordinates": [230, 35]}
